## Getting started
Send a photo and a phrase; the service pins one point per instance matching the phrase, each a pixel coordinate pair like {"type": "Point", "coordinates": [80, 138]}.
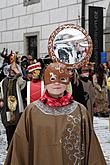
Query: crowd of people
{"type": "Point", "coordinates": [47, 110]}
{"type": "Point", "coordinates": [19, 79]}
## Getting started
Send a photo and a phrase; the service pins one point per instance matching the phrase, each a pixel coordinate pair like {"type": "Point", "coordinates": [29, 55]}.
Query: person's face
{"type": "Point", "coordinates": [29, 76]}
{"type": "Point", "coordinates": [56, 89]}
{"type": "Point", "coordinates": [30, 60]}
{"type": "Point", "coordinates": [35, 74]}
{"type": "Point", "coordinates": [71, 73]}
{"type": "Point", "coordinates": [85, 73]}
{"type": "Point", "coordinates": [11, 59]}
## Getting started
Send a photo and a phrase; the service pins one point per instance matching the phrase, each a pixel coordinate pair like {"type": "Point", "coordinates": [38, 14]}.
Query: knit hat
{"type": "Point", "coordinates": [33, 67]}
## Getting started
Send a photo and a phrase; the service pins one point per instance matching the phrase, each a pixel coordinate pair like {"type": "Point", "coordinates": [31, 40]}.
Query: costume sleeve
{"type": "Point", "coordinates": [1, 90]}
{"type": "Point", "coordinates": [96, 156]}
{"type": "Point", "coordinates": [93, 151]}
{"type": "Point", "coordinates": [21, 82]}
{"type": "Point", "coordinates": [18, 152]}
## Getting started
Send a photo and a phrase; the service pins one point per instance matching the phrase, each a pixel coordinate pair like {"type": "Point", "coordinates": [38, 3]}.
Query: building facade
{"type": "Point", "coordinates": [25, 25]}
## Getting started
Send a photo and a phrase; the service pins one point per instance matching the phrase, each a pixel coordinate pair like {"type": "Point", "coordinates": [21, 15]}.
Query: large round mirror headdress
{"type": "Point", "coordinates": [70, 44]}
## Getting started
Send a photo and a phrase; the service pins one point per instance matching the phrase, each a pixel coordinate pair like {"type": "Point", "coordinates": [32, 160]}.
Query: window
{"type": "Point", "coordinates": [30, 2]}
{"type": "Point", "coordinates": [31, 44]}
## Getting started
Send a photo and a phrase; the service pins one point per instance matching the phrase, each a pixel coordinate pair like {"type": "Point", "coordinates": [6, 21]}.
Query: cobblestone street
{"type": "Point", "coordinates": [101, 126]}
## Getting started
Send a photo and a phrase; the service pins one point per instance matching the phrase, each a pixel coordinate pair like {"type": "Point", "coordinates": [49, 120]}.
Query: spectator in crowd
{"type": "Point", "coordinates": [89, 92]}
{"type": "Point", "coordinates": [30, 59]}
{"type": "Point", "coordinates": [55, 129]}
{"type": "Point", "coordinates": [77, 89]}
{"type": "Point", "coordinates": [4, 62]}
{"type": "Point", "coordinates": [108, 81]}
{"type": "Point", "coordinates": [24, 65]}
{"type": "Point", "coordinates": [44, 61]}
{"type": "Point", "coordinates": [101, 96]}
{"type": "Point", "coordinates": [11, 59]}
{"type": "Point", "coordinates": [108, 89]}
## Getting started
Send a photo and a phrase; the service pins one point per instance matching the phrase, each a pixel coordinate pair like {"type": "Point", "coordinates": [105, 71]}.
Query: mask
{"type": "Point", "coordinates": [56, 72]}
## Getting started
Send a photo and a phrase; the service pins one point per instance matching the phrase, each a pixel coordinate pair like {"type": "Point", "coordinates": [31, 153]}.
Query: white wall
{"type": "Point", "coordinates": [43, 17]}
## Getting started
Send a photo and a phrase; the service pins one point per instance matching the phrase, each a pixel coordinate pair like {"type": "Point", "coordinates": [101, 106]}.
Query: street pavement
{"type": "Point", "coordinates": [3, 143]}
{"type": "Point", "coordinates": [101, 127]}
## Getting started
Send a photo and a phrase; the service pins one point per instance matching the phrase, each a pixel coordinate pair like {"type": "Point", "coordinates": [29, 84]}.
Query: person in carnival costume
{"type": "Point", "coordinates": [55, 130]}
{"type": "Point", "coordinates": [35, 86]}
{"type": "Point", "coordinates": [11, 100]}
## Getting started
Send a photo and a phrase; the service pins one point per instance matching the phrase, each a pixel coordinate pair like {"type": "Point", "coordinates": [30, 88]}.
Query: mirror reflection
{"type": "Point", "coordinates": [70, 46]}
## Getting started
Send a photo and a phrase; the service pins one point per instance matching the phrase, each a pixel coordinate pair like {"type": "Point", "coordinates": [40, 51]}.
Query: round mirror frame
{"type": "Point", "coordinates": [51, 52]}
